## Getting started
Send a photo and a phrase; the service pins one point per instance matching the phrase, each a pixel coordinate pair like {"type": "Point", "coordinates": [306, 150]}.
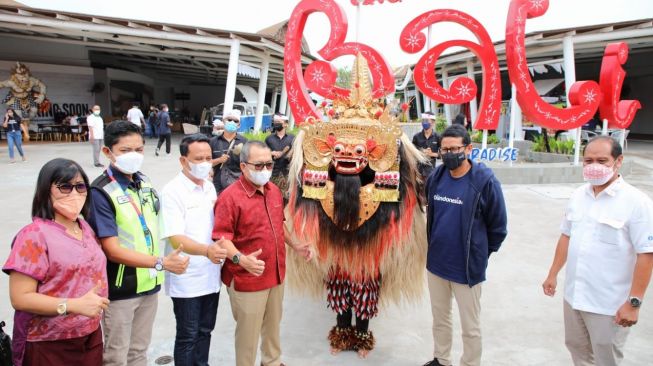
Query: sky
{"type": "Point", "coordinates": [380, 24]}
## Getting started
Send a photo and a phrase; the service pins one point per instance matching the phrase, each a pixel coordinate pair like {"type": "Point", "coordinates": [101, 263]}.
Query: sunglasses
{"type": "Point", "coordinates": [260, 166]}
{"type": "Point", "coordinates": [67, 188]}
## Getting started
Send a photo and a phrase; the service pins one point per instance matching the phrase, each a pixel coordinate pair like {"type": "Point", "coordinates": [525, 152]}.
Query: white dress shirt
{"type": "Point", "coordinates": [606, 234]}
{"type": "Point", "coordinates": [96, 125]}
{"type": "Point", "coordinates": [134, 116]}
{"type": "Point", "coordinates": [187, 209]}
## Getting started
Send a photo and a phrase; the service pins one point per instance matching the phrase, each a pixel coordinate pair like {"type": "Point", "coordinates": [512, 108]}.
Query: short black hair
{"type": "Point", "coordinates": [460, 119]}
{"type": "Point", "coordinates": [191, 139]}
{"type": "Point", "coordinates": [56, 171]}
{"type": "Point", "coordinates": [616, 150]}
{"type": "Point", "coordinates": [117, 129]}
{"type": "Point", "coordinates": [457, 131]}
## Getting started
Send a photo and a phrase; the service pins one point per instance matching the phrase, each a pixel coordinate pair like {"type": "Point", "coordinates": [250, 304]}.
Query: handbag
{"type": "Point", "coordinates": [5, 347]}
{"type": "Point", "coordinates": [227, 176]}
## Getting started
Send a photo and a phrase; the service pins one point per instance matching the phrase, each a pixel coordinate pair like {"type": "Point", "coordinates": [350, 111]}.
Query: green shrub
{"type": "Point", "coordinates": [440, 124]}
{"type": "Point", "coordinates": [555, 146]}
{"type": "Point", "coordinates": [260, 136]}
{"type": "Point", "coordinates": [477, 137]}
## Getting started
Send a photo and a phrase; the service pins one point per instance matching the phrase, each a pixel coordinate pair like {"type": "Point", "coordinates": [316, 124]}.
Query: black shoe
{"type": "Point", "coordinates": [156, 152]}
{"type": "Point", "coordinates": [99, 165]}
{"type": "Point", "coordinates": [434, 362]}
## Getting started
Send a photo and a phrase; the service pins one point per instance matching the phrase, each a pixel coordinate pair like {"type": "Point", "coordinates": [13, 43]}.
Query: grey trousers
{"type": "Point", "coordinates": [127, 326]}
{"type": "Point", "coordinates": [468, 300]}
{"type": "Point", "coordinates": [97, 146]}
{"type": "Point", "coordinates": [593, 339]}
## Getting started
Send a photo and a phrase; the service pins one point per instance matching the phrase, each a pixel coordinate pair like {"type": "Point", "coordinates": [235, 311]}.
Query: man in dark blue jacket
{"type": "Point", "coordinates": [466, 222]}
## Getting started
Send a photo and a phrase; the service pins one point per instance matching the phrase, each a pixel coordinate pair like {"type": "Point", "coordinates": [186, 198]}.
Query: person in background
{"type": "Point", "coordinates": [218, 127]}
{"type": "Point", "coordinates": [11, 124]}
{"type": "Point", "coordinates": [466, 223]}
{"type": "Point", "coordinates": [95, 125]}
{"type": "Point", "coordinates": [57, 274]}
{"type": "Point", "coordinates": [461, 119]}
{"type": "Point", "coordinates": [428, 142]}
{"type": "Point", "coordinates": [165, 133]}
{"type": "Point", "coordinates": [249, 224]}
{"type": "Point", "coordinates": [151, 121]}
{"type": "Point", "coordinates": [607, 244]}
{"type": "Point", "coordinates": [280, 142]}
{"type": "Point", "coordinates": [226, 152]}
{"type": "Point", "coordinates": [187, 204]}
{"type": "Point", "coordinates": [135, 116]}
{"type": "Point", "coordinates": [125, 216]}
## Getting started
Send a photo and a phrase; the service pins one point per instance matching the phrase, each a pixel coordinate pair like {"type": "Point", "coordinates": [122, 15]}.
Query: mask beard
{"type": "Point", "coordinates": [346, 192]}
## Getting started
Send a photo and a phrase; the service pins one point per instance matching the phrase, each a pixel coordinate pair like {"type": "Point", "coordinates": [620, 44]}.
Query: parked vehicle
{"type": "Point", "coordinates": [247, 116]}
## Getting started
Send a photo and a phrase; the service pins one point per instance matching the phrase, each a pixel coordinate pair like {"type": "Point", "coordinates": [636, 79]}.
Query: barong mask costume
{"type": "Point", "coordinates": [354, 199]}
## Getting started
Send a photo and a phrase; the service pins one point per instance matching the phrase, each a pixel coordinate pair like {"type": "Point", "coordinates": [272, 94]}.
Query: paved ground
{"type": "Point", "coordinates": [520, 325]}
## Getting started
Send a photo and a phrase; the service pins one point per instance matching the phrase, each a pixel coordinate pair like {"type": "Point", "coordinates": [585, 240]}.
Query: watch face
{"type": "Point", "coordinates": [635, 302]}
{"type": "Point", "coordinates": [236, 259]}
{"type": "Point", "coordinates": [158, 266]}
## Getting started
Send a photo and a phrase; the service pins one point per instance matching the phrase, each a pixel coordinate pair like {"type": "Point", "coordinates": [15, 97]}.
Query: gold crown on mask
{"type": "Point", "coordinates": [360, 123]}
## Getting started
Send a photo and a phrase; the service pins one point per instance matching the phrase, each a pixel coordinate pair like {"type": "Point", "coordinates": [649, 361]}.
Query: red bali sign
{"type": "Point", "coordinates": [320, 76]}
{"type": "Point", "coordinates": [585, 97]}
{"type": "Point", "coordinates": [619, 114]}
{"type": "Point", "coordinates": [463, 89]}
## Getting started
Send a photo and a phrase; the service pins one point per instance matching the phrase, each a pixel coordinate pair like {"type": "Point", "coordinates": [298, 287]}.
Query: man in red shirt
{"type": "Point", "coordinates": [249, 224]}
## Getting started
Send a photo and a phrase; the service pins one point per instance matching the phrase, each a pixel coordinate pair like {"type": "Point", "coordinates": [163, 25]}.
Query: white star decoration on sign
{"type": "Point", "coordinates": [412, 41]}
{"type": "Point", "coordinates": [622, 53]}
{"type": "Point", "coordinates": [465, 90]}
{"type": "Point", "coordinates": [318, 75]}
{"type": "Point", "coordinates": [537, 4]}
{"type": "Point", "coordinates": [590, 97]}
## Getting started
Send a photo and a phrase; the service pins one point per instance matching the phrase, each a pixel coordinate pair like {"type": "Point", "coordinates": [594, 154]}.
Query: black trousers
{"type": "Point", "coordinates": [167, 138]}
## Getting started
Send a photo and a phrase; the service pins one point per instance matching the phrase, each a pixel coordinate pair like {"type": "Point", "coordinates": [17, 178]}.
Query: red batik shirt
{"type": "Point", "coordinates": [64, 267]}
{"type": "Point", "coordinates": [252, 220]}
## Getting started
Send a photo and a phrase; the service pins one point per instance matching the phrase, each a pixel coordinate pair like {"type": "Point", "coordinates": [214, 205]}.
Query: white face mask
{"type": "Point", "coordinates": [260, 178]}
{"type": "Point", "coordinates": [598, 174]}
{"type": "Point", "coordinates": [130, 162]}
{"type": "Point", "coordinates": [200, 170]}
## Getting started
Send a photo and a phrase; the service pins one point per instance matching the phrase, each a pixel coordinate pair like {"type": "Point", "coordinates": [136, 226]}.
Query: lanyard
{"type": "Point", "coordinates": [141, 218]}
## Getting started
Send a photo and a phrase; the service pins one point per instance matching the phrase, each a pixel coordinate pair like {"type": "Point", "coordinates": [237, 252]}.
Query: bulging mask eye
{"type": "Point", "coordinates": [338, 148]}
{"type": "Point", "coordinates": [359, 150]}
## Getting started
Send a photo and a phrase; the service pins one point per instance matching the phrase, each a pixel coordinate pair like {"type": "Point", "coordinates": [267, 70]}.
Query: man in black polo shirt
{"type": "Point", "coordinates": [280, 143]}
{"type": "Point", "coordinates": [428, 142]}
{"type": "Point", "coordinates": [226, 152]}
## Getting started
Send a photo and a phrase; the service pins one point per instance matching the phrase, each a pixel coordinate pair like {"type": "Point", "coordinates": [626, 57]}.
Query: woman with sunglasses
{"type": "Point", "coordinates": [57, 274]}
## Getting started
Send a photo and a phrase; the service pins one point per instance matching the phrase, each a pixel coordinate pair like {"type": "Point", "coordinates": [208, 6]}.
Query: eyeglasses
{"type": "Point", "coordinates": [260, 166]}
{"type": "Point", "coordinates": [67, 188]}
{"type": "Point", "coordinates": [453, 149]}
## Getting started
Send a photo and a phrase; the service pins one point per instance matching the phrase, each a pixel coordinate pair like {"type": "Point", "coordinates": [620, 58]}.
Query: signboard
{"type": "Point", "coordinates": [585, 97]}
{"type": "Point", "coordinates": [502, 154]}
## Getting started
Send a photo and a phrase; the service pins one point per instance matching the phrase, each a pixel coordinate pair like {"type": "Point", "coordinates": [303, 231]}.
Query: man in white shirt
{"type": "Point", "coordinates": [187, 214]}
{"type": "Point", "coordinates": [95, 134]}
{"type": "Point", "coordinates": [607, 243]}
{"type": "Point", "coordinates": [135, 116]}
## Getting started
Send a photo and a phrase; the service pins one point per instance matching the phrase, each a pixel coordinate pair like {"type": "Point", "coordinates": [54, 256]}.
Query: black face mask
{"type": "Point", "coordinates": [277, 127]}
{"type": "Point", "coordinates": [453, 160]}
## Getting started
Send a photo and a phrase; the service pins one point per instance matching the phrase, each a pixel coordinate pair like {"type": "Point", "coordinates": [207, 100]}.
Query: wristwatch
{"type": "Point", "coordinates": [635, 301]}
{"type": "Point", "coordinates": [236, 258]}
{"type": "Point", "coordinates": [62, 307]}
{"type": "Point", "coordinates": [159, 264]}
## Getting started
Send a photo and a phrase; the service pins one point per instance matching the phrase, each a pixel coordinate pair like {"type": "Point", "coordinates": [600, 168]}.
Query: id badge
{"type": "Point", "coordinates": [153, 273]}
